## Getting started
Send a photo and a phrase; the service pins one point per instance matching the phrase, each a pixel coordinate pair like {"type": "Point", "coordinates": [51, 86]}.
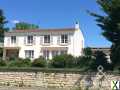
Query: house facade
{"type": "Point", "coordinates": [43, 42]}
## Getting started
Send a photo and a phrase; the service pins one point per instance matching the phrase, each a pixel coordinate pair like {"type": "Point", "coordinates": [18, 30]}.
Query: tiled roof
{"type": "Point", "coordinates": [41, 30]}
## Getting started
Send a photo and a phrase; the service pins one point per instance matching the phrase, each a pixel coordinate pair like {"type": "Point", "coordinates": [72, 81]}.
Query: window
{"type": "Point", "coordinates": [46, 38]}
{"type": "Point", "coordinates": [29, 54]}
{"type": "Point", "coordinates": [63, 52]}
{"type": "Point", "coordinates": [29, 39]}
{"type": "Point", "coordinates": [54, 53]}
{"type": "Point", "coordinates": [13, 39]}
{"type": "Point", "coordinates": [46, 54]}
{"type": "Point", "coordinates": [64, 38]}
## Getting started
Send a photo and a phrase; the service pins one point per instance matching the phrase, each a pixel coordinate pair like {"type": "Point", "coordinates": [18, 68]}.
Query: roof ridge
{"type": "Point", "coordinates": [39, 30]}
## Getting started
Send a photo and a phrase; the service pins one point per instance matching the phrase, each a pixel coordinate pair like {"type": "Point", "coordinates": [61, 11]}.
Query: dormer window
{"type": "Point", "coordinates": [46, 38]}
{"type": "Point", "coordinates": [13, 39]}
{"type": "Point", "coordinates": [64, 38]}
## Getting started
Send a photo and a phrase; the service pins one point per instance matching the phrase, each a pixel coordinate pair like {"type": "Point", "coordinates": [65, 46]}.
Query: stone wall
{"type": "Point", "coordinates": [57, 79]}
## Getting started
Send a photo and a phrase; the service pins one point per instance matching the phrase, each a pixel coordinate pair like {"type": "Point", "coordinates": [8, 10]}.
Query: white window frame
{"type": "Point", "coordinates": [46, 54]}
{"type": "Point", "coordinates": [64, 38]}
{"type": "Point", "coordinates": [47, 39]}
{"type": "Point", "coordinates": [13, 39]}
{"type": "Point", "coordinates": [55, 53]}
{"type": "Point", "coordinates": [29, 54]}
{"type": "Point", "coordinates": [30, 39]}
{"type": "Point", "coordinates": [63, 52]}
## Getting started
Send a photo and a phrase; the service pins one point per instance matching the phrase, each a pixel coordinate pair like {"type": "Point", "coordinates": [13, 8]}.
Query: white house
{"type": "Point", "coordinates": [43, 42]}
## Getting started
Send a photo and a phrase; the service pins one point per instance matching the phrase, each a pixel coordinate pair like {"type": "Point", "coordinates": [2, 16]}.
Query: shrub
{"type": "Point", "coordinates": [63, 61]}
{"type": "Point", "coordinates": [39, 62]}
{"type": "Point", "coordinates": [2, 63]}
{"type": "Point", "coordinates": [87, 52]}
{"type": "Point", "coordinates": [85, 62]}
{"type": "Point", "coordinates": [1, 52]}
{"type": "Point", "coordinates": [12, 58]}
{"type": "Point", "coordinates": [19, 63]}
{"type": "Point", "coordinates": [26, 62]}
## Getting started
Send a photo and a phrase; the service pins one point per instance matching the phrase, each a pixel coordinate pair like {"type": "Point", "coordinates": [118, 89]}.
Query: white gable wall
{"type": "Point", "coordinates": [75, 45]}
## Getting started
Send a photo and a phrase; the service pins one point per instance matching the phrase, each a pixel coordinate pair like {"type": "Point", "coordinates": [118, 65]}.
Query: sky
{"type": "Point", "coordinates": [57, 14]}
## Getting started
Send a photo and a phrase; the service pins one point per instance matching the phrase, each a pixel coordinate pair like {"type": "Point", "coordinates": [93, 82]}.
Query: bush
{"type": "Point", "coordinates": [40, 62]}
{"type": "Point", "coordinates": [1, 52]}
{"type": "Point", "coordinates": [26, 62]}
{"type": "Point", "coordinates": [19, 63]}
{"type": "Point", "coordinates": [2, 63]}
{"type": "Point", "coordinates": [63, 61]}
{"type": "Point", "coordinates": [85, 62]}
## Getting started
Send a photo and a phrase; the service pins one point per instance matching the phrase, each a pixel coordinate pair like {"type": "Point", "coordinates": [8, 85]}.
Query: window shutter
{"type": "Point", "coordinates": [58, 40]}
{"type": "Point", "coordinates": [51, 39]}
{"type": "Point", "coordinates": [41, 40]}
{"type": "Point", "coordinates": [69, 39]}
{"type": "Point", "coordinates": [25, 40]}
{"type": "Point", "coordinates": [8, 40]}
{"type": "Point", "coordinates": [34, 40]}
{"type": "Point", "coordinates": [17, 40]}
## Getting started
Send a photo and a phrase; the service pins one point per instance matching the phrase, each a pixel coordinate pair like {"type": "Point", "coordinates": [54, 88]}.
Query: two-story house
{"type": "Point", "coordinates": [43, 42]}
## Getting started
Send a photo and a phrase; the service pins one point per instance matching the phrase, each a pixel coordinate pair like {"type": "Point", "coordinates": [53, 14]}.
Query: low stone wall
{"type": "Point", "coordinates": [55, 78]}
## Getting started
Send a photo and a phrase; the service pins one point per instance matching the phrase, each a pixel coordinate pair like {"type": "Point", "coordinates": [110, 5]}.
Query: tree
{"type": "Point", "coordinates": [24, 26]}
{"type": "Point", "coordinates": [85, 62]}
{"type": "Point", "coordinates": [110, 25]}
{"type": "Point", "coordinates": [87, 52]}
{"type": "Point", "coordinates": [3, 21]}
{"type": "Point", "coordinates": [100, 59]}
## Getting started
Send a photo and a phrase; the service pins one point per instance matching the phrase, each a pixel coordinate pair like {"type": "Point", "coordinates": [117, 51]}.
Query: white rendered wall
{"type": "Point", "coordinates": [74, 47]}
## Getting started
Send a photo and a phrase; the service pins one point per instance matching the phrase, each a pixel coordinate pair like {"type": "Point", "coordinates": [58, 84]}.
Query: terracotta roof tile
{"type": "Point", "coordinates": [41, 30]}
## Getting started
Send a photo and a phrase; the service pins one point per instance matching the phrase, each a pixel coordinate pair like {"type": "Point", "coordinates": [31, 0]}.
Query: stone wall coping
{"type": "Point", "coordinates": [54, 70]}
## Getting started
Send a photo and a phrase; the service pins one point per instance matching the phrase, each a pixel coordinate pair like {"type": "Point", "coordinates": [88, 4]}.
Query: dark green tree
{"type": "Point", "coordinates": [110, 25]}
{"type": "Point", "coordinates": [24, 26]}
{"type": "Point", "coordinates": [87, 52]}
{"type": "Point", "coordinates": [100, 59]}
{"type": "Point", "coordinates": [3, 22]}
{"type": "Point", "coordinates": [85, 62]}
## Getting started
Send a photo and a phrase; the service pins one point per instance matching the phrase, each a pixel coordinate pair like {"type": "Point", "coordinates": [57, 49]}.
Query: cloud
{"type": "Point", "coordinates": [15, 21]}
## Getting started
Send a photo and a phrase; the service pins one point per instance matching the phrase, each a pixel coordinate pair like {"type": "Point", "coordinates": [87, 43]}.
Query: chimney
{"type": "Point", "coordinates": [77, 25]}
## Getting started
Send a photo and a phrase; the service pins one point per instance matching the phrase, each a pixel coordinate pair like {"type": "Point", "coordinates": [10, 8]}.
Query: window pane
{"type": "Point", "coordinates": [64, 38]}
{"type": "Point", "coordinates": [54, 53]}
{"type": "Point", "coordinates": [13, 39]}
{"type": "Point", "coordinates": [30, 39]}
{"type": "Point", "coordinates": [63, 52]}
{"type": "Point", "coordinates": [46, 54]}
{"type": "Point", "coordinates": [46, 38]}
{"type": "Point", "coordinates": [29, 54]}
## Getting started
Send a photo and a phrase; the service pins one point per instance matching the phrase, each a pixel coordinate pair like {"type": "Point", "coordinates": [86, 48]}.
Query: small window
{"type": "Point", "coordinates": [29, 53]}
{"type": "Point", "coordinates": [64, 38]}
{"type": "Point", "coordinates": [46, 38]}
{"type": "Point", "coordinates": [13, 39]}
{"type": "Point", "coordinates": [30, 39]}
